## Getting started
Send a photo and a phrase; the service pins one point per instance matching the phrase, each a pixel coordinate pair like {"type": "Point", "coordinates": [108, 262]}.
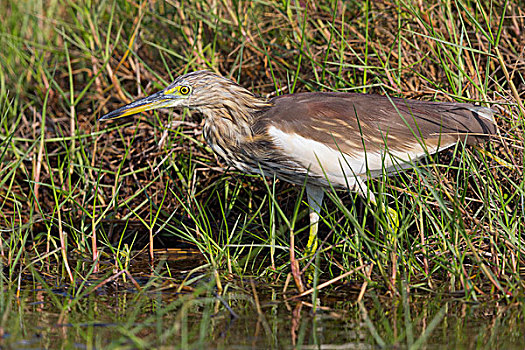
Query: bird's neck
{"type": "Point", "coordinates": [240, 106]}
{"type": "Point", "coordinates": [228, 124]}
{"type": "Point", "coordinates": [233, 119]}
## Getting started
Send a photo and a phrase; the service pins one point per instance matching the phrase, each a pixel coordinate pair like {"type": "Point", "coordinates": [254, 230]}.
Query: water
{"type": "Point", "coordinates": [247, 314]}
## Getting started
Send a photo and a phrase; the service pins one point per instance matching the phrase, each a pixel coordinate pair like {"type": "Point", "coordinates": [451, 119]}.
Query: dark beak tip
{"type": "Point", "coordinates": [105, 117]}
{"type": "Point", "coordinates": [111, 115]}
{"type": "Point", "coordinates": [117, 113]}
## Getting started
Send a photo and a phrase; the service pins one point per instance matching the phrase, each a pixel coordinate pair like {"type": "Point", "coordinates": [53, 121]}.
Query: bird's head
{"type": "Point", "coordinates": [201, 90]}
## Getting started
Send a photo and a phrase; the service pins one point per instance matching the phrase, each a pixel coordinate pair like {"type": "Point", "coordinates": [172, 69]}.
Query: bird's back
{"type": "Point", "coordinates": [352, 118]}
{"type": "Point", "coordinates": [340, 135]}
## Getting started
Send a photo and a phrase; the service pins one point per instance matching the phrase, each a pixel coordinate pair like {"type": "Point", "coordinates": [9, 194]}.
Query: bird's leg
{"type": "Point", "coordinates": [392, 215]}
{"type": "Point", "coordinates": [392, 222]}
{"type": "Point", "coordinates": [315, 200]}
{"type": "Point", "coordinates": [393, 218]}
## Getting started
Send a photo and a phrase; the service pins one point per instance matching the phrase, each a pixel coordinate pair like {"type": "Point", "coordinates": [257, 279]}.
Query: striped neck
{"type": "Point", "coordinates": [231, 113]}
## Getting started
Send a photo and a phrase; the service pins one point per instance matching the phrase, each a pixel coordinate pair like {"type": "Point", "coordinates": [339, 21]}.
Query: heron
{"type": "Point", "coordinates": [321, 140]}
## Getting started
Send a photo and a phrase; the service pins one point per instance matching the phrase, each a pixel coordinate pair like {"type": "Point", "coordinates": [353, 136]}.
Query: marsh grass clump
{"type": "Point", "coordinates": [70, 185]}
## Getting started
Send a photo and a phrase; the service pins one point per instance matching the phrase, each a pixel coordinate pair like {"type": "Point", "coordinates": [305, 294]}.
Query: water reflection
{"type": "Point", "coordinates": [245, 314]}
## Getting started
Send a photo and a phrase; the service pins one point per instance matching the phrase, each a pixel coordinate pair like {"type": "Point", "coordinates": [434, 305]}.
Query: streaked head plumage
{"type": "Point", "coordinates": [202, 90]}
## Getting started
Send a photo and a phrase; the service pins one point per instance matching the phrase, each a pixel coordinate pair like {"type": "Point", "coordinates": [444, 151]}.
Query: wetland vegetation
{"type": "Point", "coordinates": [84, 205]}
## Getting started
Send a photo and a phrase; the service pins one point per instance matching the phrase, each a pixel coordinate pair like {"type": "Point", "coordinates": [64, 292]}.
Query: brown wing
{"type": "Point", "coordinates": [347, 121]}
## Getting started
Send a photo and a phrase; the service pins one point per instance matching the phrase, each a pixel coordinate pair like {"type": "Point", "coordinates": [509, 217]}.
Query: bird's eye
{"type": "Point", "coordinates": [184, 90]}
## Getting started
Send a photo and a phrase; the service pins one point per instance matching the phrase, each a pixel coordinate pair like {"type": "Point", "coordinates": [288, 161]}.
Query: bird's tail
{"type": "Point", "coordinates": [488, 113]}
{"type": "Point", "coordinates": [483, 125]}
{"type": "Point", "coordinates": [484, 112]}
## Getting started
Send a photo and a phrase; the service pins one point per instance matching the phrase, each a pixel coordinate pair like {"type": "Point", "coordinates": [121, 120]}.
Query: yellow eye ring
{"type": "Point", "coordinates": [184, 90]}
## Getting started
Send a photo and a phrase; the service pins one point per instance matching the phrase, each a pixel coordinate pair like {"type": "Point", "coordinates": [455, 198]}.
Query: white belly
{"type": "Point", "coordinates": [342, 169]}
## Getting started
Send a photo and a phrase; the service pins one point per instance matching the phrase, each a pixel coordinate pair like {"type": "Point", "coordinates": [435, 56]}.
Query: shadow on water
{"type": "Point", "coordinates": [247, 313]}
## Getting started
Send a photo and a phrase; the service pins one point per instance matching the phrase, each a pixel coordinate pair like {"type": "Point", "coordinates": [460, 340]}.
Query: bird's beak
{"type": "Point", "coordinates": [157, 100]}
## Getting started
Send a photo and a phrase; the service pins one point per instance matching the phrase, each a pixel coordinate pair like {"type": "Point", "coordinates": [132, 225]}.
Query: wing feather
{"type": "Point", "coordinates": [354, 123]}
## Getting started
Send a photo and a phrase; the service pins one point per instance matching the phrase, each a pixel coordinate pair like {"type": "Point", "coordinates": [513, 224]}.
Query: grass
{"type": "Point", "coordinates": [67, 181]}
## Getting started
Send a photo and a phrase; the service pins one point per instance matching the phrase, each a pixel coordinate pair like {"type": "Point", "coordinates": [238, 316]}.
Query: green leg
{"type": "Point", "coordinates": [392, 215]}
{"type": "Point", "coordinates": [393, 219]}
{"type": "Point", "coordinates": [315, 200]}
{"type": "Point", "coordinates": [311, 246]}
